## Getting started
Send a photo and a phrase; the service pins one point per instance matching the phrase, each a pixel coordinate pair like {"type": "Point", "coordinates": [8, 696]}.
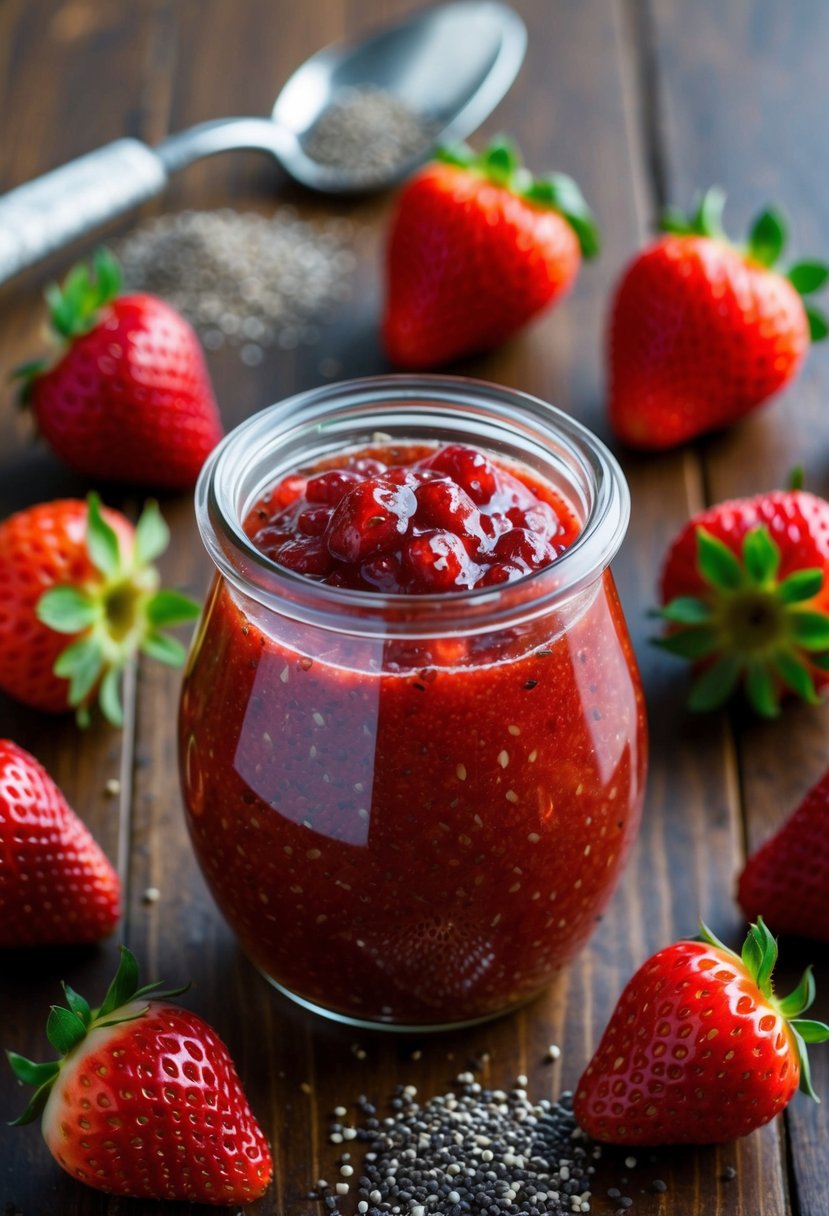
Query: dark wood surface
{"type": "Point", "coordinates": [640, 102]}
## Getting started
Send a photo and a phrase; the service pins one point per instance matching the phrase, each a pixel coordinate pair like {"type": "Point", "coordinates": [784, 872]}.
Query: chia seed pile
{"type": "Point", "coordinates": [370, 132]}
{"type": "Point", "coordinates": [243, 279]}
{"type": "Point", "coordinates": [471, 1152]}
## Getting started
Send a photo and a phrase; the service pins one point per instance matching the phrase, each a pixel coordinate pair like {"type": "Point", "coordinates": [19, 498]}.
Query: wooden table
{"type": "Point", "coordinates": [641, 102]}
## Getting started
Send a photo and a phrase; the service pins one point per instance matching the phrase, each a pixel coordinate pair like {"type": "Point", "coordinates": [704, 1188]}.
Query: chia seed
{"type": "Point", "coordinates": [370, 133]}
{"type": "Point", "coordinates": [242, 279]}
{"type": "Point", "coordinates": [476, 1151]}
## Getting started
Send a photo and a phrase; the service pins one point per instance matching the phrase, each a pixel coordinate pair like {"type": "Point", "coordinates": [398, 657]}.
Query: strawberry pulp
{"type": "Point", "coordinates": [416, 831]}
{"type": "Point", "coordinates": [430, 521]}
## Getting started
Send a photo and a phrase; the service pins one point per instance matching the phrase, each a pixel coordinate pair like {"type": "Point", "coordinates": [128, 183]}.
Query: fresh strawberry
{"type": "Point", "coordinates": [56, 885]}
{"type": "Point", "coordinates": [477, 247]}
{"type": "Point", "coordinates": [71, 572]}
{"type": "Point", "coordinates": [145, 1100]}
{"type": "Point", "coordinates": [788, 876]}
{"type": "Point", "coordinates": [702, 331]}
{"type": "Point", "coordinates": [127, 396]}
{"type": "Point", "coordinates": [746, 598]}
{"type": "Point", "coordinates": [699, 1050]}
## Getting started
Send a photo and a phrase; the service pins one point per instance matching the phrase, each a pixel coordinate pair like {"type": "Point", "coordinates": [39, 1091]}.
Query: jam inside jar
{"type": "Point", "coordinates": [412, 793]}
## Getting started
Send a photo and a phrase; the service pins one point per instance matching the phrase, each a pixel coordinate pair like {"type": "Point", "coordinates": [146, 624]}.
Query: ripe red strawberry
{"type": "Point", "coordinates": [78, 599]}
{"type": "Point", "coordinates": [746, 598]}
{"type": "Point", "coordinates": [702, 331]}
{"type": "Point", "coordinates": [788, 876]}
{"type": "Point", "coordinates": [145, 1100]}
{"type": "Point", "coordinates": [127, 396]}
{"type": "Point", "coordinates": [699, 1050]}
{"type": "Point", "coordinates": [477, 247]}
{"type": "Point", "coordinates": [56, 885]}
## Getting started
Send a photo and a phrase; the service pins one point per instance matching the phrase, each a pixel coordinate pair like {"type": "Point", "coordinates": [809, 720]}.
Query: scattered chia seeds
{"type": "Point", "coordinates": [243, 279]}
{"type": "Point", "coordinates": [472, 1151]}
{"type": "Point", "coordinates": [369, 132]}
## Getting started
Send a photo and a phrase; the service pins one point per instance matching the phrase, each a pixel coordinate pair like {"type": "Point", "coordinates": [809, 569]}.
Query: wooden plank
{"type": "Point", "coordinates": [756, 129]}
{"type": "Point", "coordinates": [69, 74]}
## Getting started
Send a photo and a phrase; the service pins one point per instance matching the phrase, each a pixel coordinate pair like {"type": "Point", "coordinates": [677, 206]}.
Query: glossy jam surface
{"type": "Point", "coordinates": [419, 521]}
{"type": "Point", "coordinates": [418, 834]}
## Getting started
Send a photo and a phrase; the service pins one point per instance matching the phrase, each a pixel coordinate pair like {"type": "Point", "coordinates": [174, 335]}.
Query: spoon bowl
{"type": "Point", "coordinates": [447, 65]}
{"type": "Point", "coordinates": [450, 66]}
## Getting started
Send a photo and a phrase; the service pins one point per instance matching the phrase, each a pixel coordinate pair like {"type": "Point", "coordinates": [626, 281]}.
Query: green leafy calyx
{"type": "Point", "coordinates": [500, 163]}
{"type": "Point", "coordinates": [75, 308]}
{"type": "Point", "coordinates": [115, 615]}
{"type": "Point", "coordinates": [765, 245]}
{"type": "Point", "coordinates": [759, 958]}
{"type": "Point", "coordinates": [68, 1026]}
{"type": "Point", "coordinates": [749, 627]}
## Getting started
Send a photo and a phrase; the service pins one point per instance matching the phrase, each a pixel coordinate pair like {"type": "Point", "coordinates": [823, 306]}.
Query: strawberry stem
{"type": "Point", "coordinates": [765, 245]}
{"type": "Point", "coordinates": [116, 616]}
{"type": "Point", "coordinates": [705, 220]}
{"type": "Point", "coordinates": [75, 307]}
{"type": "Point", "coordinates": [767, 238]}
{"type": "Point", "coordinates": [748, 627]}
{"type": "Point", "coordinates": [66, 1028]}
{"type": "Point", "coordinates": [759, 956]}
{"type": "Point", "coordinates": [500, 163]}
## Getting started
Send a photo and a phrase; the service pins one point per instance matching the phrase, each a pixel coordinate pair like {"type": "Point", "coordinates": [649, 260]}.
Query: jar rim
{"type": "Point", "coordinates": [231, 481]}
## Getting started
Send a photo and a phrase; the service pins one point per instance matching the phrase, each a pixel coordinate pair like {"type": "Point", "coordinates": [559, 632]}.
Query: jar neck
{"type": "Point", "coordinates": [515, 428]}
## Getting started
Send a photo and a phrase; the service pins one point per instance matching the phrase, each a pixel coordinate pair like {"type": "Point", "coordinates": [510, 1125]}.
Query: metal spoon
{"type": "Point", "coordinates": [451, 64]}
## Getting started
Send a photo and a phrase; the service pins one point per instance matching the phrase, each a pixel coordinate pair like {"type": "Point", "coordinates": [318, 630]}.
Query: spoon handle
{"type": "Point", "coordinates": [49, 212]}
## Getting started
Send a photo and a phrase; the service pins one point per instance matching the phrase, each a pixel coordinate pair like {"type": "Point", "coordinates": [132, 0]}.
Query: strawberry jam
{"type": "Point", "coordinates": [412, 744]}
{"type": "Point", "coordinates": [431, 521]}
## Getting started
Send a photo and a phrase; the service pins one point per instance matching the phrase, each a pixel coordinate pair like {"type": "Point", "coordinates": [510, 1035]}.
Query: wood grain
{"type": "Point", "coordinates": [633, 101]}
{"type": "Point", "coordinates": [758, 133]}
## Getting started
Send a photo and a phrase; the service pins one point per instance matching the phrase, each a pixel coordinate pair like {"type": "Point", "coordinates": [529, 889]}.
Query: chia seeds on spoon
{"type": "Point", "coordinates": [370, 132]}
{"type": "Point", "coordinates": [243, 279]}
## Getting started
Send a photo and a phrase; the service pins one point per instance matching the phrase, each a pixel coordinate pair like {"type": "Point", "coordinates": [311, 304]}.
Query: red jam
{"type": "Point", "coordinates": [417, 832]}
{"type": "Point", "coordinates": [430, 521]}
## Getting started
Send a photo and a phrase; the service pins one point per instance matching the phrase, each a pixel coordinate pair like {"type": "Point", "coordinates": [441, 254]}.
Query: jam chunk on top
{"type": "Point", "coordinates": [413, 521]}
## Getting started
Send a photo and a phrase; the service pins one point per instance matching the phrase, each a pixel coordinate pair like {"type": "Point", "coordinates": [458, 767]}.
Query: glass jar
{"type": "Point", "coordinates": [412, 809]}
